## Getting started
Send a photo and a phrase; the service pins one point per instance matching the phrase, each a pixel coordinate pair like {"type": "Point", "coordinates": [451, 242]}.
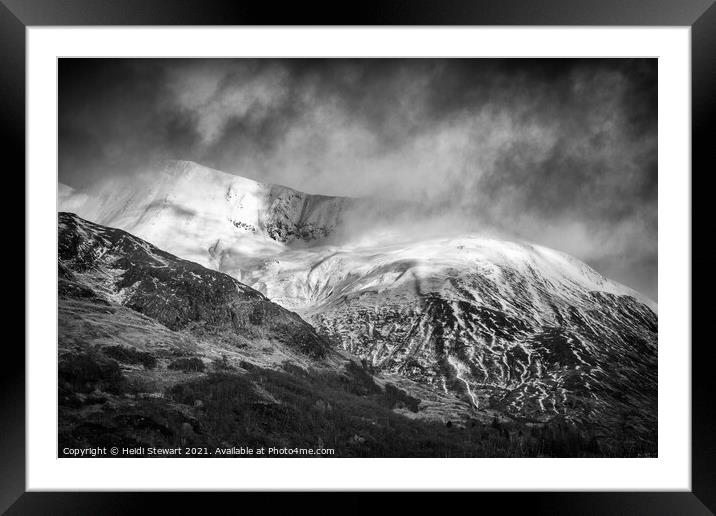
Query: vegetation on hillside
{"type": "Point", "coordinates": [293, 407]}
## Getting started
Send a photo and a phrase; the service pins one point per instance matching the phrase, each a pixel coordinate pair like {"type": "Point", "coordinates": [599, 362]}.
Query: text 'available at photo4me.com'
{"type": "Point", "coordinates": [179, 451]}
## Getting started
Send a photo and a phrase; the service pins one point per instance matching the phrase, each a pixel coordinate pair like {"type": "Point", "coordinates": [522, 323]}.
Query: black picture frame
{"type": "Point", "coordinates": [700, 15]}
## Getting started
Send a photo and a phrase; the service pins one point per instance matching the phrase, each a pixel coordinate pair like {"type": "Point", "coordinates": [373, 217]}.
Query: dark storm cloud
{"type": "Point", "coordinates": [558, 151]}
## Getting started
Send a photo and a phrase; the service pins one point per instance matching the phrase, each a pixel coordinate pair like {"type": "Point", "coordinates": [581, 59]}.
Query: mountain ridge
{"type": "Point", "coordinates": [109, 203]}
{"type": "Point", "coordinates": [203, 214]}
{"type": "Point", "coordinates": [112, 265]}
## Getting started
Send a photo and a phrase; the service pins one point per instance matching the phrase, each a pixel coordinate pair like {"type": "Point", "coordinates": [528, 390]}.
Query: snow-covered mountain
{"type": "Point", "coordinates": [509, 327]}
{"type": "Point", "coordinates": [519, 328]}
{"type": "Point", "coordinates": [203, 214]}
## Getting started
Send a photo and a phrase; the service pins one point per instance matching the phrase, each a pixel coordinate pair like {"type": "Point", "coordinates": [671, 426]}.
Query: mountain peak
{"type": "Point", "coordinates": [204, 214]}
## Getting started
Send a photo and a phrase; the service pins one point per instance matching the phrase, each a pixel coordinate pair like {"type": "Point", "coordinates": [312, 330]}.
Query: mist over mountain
{"type": "Point", "coordinates": [561, 152]}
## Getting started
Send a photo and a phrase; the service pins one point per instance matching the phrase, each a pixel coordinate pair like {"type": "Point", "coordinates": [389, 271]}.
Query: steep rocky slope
{"type": "Point", "coordinates": [112, 265]}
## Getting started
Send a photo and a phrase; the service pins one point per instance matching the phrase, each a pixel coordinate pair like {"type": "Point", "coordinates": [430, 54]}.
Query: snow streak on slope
{"type": "Point", "coordinates": [515, 327]}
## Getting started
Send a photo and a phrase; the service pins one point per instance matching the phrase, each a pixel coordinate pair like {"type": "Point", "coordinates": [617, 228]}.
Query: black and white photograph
{"type": "Point", "coordinates": [357, 257]}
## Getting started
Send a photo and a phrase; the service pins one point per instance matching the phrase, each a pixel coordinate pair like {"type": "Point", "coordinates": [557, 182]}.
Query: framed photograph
{"type": "Point", "coordinates": [425, 248]}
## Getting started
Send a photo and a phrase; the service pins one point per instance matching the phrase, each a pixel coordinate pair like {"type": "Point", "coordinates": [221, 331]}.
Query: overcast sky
{"type": "Point", "coordinates": [561, 152]}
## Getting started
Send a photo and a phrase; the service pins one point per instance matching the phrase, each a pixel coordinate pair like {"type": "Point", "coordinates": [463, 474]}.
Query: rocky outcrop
{"type": "Point", "coordinates": [292, 215]}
